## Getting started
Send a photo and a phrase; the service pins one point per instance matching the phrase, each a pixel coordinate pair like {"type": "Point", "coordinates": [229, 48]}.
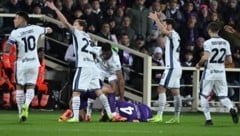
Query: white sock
{"type": "Point", "coordinates": [205, 107]}
{"type": "Point", "coordinates": [227, 103]}
{"type": "Point", "coordinates": [177, 105]}
{"type": "Point", "coordinates": [75, 106]}
{"type": "Point", "coordinates": [29, 96]}
{"type": "Point", "coordinates": [20, 98]}
{"type": "Point", "coordinates": [89, 106]}
{"type": "Point", "coordinates": [162, 102]}
{"type": "Point", "coordinates": [105, 103]}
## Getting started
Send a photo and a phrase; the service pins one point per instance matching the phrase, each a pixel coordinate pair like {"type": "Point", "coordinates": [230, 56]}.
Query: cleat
{"type": "Point", "coordinates": [87, 118]}
{"type": "Point", "coordinates": [73, 120]}
{"type": "Point", "coordinates": [104, 118]}
{"type": "Point", "coordinates": [118, 118]}
{"type": "Point", "coordinates": [24, 115]}
{"type": "Point", "coordinates": [208, 123]}
{"type": "Point", "coordinates": [174, 120]}
{"type": "Point", "coordinates": [156, 118]}
{"type": "Point", "coordinates": [65, 116]}
{"type": "Point", "coordinates": [234, 116]}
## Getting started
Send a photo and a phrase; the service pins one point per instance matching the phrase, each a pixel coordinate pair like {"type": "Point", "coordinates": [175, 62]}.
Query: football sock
{"type": "Point", "coordinates": [20, 100]}
{"type": "Point", "coordinates": [105, 104]}
{"type": "Point", "coordinates": [227, 103]}
{"type": "Point", "coordinates": [75, 106]}
{"type": "Point", "coordinates": [89, 106]}
{"type": "Point", "coordinates": [162, 102]}
{"type": "Point", "coordinates": [29, 96]}
{"type": "Point", "coordinates": [177, 105]}
{"type": "Point", "coordinates": [205, 107]}
{"type": "Point", "coordinates": [112, 102]}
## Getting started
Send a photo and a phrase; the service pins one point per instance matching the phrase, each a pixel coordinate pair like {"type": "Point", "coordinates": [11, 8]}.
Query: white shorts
{"type": "Point", "coordinates": [218, 86]}
{"type": "Point", "coordinates": [171, 78]}
{"type": "Point", "coordinates": [86, 78]}
{"type": "Point", "coordinates": [26, 76]}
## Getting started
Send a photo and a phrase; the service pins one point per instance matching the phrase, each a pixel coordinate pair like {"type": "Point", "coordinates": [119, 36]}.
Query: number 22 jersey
{"type": "Point", "coordinates": [26, 39]}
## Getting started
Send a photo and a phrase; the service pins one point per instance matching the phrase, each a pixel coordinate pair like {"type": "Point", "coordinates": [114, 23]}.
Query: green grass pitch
{"type": "Point", "coordinates": [42, 123]}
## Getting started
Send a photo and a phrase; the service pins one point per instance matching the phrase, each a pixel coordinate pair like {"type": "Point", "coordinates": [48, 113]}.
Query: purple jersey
{"type": "Point", "coordinates": [133, 111]}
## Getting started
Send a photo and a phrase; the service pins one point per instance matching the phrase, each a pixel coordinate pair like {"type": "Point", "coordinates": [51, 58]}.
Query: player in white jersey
{"type": "Point", "coordinates": [172, 73]}
{"type": "Point", "coordinates": [26, 37]}
{"type": "Point", "coordinates": [86, 76]}
{"type": "Point", "coordinates": [216, 54]}
{"type": "Point", "coordinates": [110, 68]}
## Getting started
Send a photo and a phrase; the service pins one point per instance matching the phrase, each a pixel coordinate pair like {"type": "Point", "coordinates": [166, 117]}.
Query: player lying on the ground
{"type": "Point", "coordinates": [84, 102]}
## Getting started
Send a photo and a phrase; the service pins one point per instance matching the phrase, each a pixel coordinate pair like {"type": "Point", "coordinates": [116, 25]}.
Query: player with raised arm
{"type": "Point", "coordinates": [173, 71]}
{"type": "Point", "coordinates": [86, 75]}
{"type": "Point", "coordinates": [25, 37]}
{"type": "Point", "coordinates": [217, 53]}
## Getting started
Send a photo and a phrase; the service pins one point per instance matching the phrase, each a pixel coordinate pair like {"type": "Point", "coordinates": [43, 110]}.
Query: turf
{"type": "Point", "coordinates": [45, 124]}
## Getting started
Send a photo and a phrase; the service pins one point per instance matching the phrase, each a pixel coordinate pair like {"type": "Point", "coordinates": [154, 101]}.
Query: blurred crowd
{"type": "Point", "coordinates": [126, 22]}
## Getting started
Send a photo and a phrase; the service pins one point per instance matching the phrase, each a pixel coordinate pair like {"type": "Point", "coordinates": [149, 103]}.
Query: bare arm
{"type": "Point", "coordinates": [61, 17]}
{"type": "Point", "coordinates": [228, 59]}
{"type": "Point", "coordinates": [121, 84]}
{"type": "Point", "coordinates": [203, 59]}
{"type": "Point", "coordinates": [155, 18]}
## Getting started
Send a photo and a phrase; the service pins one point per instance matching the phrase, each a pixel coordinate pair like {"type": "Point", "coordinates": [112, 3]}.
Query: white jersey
{"type": "Point", "coordinates": [172, 49]}
{"type": "Point", "coordinates": [26, 39]}
{"type": "Point", "coordinates": [218, 49]}
{"type": "Point", "coordinates": [109, 67]}
{"type": "Point", "coordinates": [83, 49]}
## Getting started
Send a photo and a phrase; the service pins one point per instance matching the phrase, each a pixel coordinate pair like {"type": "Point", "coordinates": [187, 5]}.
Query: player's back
{"type": "Point", "coordinates": [83, 45]}
{"type": "Point", "coordinates": [218, 49]}
{"type": "Point", "coordinates": [26, 39]}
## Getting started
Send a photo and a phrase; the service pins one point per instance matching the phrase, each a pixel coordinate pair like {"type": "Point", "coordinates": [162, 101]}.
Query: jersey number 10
{"type": "Point", "coordinates": [29, 43]}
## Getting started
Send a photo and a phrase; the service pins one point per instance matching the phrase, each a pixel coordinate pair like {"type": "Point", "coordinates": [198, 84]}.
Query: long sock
{"type": "Point", "coordinates": [112, 102]}
{"type": "Point", "coordinates": [177, 105]}
{"type": "Point", "coordinates": [89, 106]}
{"type": "Point", "coordinates": [29, 96]}
{"type": "Point", "coordinates": [227, 103]}
{"type": "Point", "coordinates": [20, 98]}
{"type": "Point", "coordinates": [75, 106]}
{"type": "Point", "coordinates": [162, 102]}
{"type": "Point", "coordinates": [205, 107]}
{"type": "Point", "coordinates": [105, 103]}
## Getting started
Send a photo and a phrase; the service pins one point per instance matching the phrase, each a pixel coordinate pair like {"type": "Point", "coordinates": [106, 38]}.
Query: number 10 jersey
{"type": "Point", "coordinates": [26, 39]}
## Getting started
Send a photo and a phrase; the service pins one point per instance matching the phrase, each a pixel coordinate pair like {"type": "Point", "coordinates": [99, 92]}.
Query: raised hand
{"type": "Point", "coordinates": [153, 16]}
{"type": "Point", "coordinates": [51, 5]}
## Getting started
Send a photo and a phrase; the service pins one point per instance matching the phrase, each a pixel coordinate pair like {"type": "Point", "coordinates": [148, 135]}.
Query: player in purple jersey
{"type": "Point", "coordinates": [134, 112]}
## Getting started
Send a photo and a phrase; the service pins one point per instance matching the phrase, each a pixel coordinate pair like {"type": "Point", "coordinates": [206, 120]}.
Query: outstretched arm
{"type": "Point", "coordinates": [155, 18]}
{"type": "Point", "coordinates": [61, 17]}
{"type": "Point", "coordinates": [203, 59]}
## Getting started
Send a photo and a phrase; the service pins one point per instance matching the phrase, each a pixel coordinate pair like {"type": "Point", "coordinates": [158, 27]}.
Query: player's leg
{"type": "Point", "coordinates": [222, 92]}
{"type": "Point", "coordinates": [80, 83]}
{"type": "Point", "coordinates": [112, 97]}
{"type": "Point", "coordinates": [161, 96]}
{"type": "Point", "coordinates": [20, 99]}
{"type": "Point", "coordinates": [174, 84]}
{"type": "Point", "coordinates": [89, 109]}
{"type": "Point", "coordinates": [206, 88]}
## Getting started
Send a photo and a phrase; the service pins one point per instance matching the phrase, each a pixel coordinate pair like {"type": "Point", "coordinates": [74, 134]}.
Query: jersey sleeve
{"type": "Point", "coordinates": [206, 47]}
{"type": "Point", "coordinates": [12, 38]}
{"type": "Point", "coordinates": [116, 63]}
{"type": "Point", "coordinates": [228, 52]}
{"type": "Point", "coordinates": [41, 30]}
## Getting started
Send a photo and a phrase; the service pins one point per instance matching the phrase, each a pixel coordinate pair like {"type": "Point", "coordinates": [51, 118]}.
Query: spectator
{"type": "Point", "coordinates": [96, 9]}
{"type": "Point", "coordinates": [27, 6]}
{"type": "Point", "coordinates": [119, 14]}
{"type": "Point", "coordinates": [126, 28]}
{"type": "Point", "coordinates": [138, 43]}
{"type": "Point", "coordinates": [67, 9]}
{"type": "Point", "coordinates": [105, 32]}
{"type": "Point", "coordinates": [157, 57]}
{"type": "Point", "coordinates": [203, 20]}
{"type": "Point", "coordinates": [139, 16]}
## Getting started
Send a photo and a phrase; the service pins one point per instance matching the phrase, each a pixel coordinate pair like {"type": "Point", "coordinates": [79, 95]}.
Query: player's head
{"type": "Point", "coordinates": [170, 24]}
{"type": "Point", "coordinates": [80, 24]}
{"type": "Point", "coordinates": [21, 19]}
{"type": "Point", "coordinates": [213, 28]}
{"type": "Point", "coordinates": [106, 51]}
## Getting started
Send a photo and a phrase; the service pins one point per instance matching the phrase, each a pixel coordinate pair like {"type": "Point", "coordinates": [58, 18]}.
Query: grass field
{"type": "Point", "coordinates": [45, 124]}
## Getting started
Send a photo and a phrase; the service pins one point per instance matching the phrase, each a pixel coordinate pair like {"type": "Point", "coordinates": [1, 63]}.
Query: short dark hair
{"type": "Point", "coordinates": [23, 14]}
{"type": "Point", "coordinates": [214, 27]}
{"type": "Point", "coordinates": [170, 21]}
{"type": "Point", "coordinates": [106, 46]}
{"type": "Point", "coordinates": [82, 23]}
